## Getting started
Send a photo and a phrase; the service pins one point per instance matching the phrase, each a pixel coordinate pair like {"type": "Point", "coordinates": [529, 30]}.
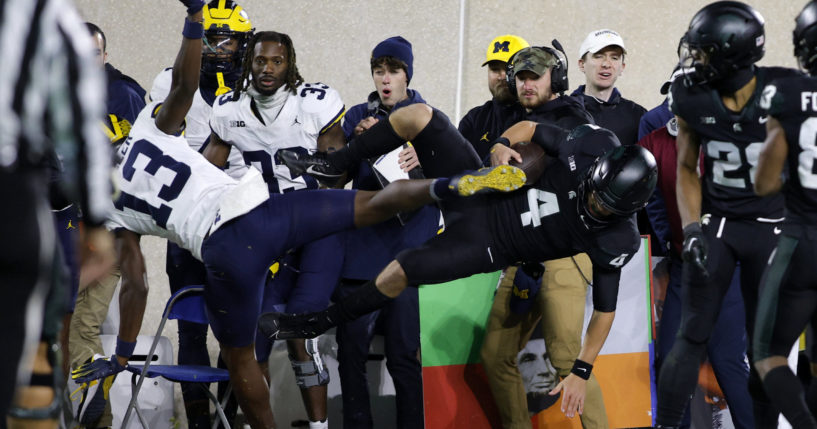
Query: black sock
{"type": "Point", "coordinates": [785, 390]}
{"type": "Point", "coordinates": [677, 380]}
{"type": "Point", "coordinates": [362, 301]}
{"type": "Point", "coordinates": [377, 140]}
{"type": "Point", "coordinates": [811, 396]}
{"type": "Point", "coordinates": [440, 191]}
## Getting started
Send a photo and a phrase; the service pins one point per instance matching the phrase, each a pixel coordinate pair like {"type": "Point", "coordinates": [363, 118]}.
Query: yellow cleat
{"type": "Point", "coordinates": [502, 178]}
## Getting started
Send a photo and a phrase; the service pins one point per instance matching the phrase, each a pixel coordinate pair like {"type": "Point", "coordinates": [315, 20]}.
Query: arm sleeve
{"type": "Point", "coordinates": [76, 108]}
{"type": "Point", "coordinates": [605, 289]}
{"type": "Point", "coordinates": [549, 137]}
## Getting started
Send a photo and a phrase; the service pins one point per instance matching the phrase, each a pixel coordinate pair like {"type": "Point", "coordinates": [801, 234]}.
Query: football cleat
{"type": "Point", "coordinates": [501, 178]}
{"type": "Point", "coordinates": [283, 326]}
{"type": "Point", "coordinates": [315, 165]}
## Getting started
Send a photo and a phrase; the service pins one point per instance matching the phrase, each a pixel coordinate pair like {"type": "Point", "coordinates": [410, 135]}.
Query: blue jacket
{"type": "Point", "coordinates": [125, 97]}
{"type": "Point", "coordinates": [369, 249]}
{"type": "Point", "coordinates": [654, 119]}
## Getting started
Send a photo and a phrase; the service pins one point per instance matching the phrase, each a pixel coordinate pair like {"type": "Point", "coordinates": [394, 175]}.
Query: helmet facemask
{"type": "Point", "coordinates": [618, 184]}
{"type": "Point", "coordinates": [227, 31]}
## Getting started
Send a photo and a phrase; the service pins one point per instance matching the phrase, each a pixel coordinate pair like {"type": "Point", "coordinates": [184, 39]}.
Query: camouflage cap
{"type": "Point", "coordinates": [533, 59]}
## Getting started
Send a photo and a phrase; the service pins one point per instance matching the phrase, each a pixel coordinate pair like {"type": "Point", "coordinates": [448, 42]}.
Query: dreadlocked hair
{"type": "Point", "coordinates": [293, 77]}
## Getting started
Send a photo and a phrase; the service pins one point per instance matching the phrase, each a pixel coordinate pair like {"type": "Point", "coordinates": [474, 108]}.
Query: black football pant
{"type": "Point", "coordinates": [788, 304]}
{"type": "Point", "coordinates": [27, 250]}
{"type": "Point", "coordinates": [730, 242]}
{"type": "Point", "coordinates": [441, 149]}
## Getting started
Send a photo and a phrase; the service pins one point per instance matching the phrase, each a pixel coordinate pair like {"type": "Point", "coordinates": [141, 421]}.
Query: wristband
{"type": "Point", "coordinates": [193, 30]}
{"type": "Point", "coordinates": [124, 348]}
{"type": "Point", "coordinates": [503, 140]}
{"type": "Point", "coordinates": [582, 369]}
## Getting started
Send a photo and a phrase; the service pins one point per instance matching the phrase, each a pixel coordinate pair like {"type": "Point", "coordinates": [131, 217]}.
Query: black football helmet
{"type": "Point", "coordinates": [224, 19]}
{"type": "Point", "coordinates": [723, 37]}
{"type": "Point", "coordinates": [805, 37]}
{"type": "Point", "coordinates": [621, 181]}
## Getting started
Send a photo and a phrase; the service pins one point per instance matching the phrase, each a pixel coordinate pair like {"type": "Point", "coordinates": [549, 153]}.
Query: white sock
{"type": "Point", "coordinates": [319, 425]}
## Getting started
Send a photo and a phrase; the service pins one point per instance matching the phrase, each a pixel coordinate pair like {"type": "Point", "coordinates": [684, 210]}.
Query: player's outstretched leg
{"type": "Point", "coordinates": [372, 296]}
{"type": "Point", "coordinates": [406, 195]}
{"type": "Point", "coordinates": [380, 139]}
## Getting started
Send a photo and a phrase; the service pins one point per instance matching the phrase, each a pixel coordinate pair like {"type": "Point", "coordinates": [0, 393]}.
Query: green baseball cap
{"type": "Point", "coordinates": [533, 59]}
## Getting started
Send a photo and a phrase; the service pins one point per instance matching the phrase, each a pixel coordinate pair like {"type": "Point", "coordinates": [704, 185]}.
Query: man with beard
{"type": "Point", "coordinates": [483, 124]}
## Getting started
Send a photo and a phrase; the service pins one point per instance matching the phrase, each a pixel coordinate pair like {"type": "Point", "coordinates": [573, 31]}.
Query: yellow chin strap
{"type": "Point", "coordinates": [222, 88]}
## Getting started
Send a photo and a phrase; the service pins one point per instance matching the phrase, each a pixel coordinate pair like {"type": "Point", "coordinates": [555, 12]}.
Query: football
{"type": "Point", "coordinates": [533, 160]}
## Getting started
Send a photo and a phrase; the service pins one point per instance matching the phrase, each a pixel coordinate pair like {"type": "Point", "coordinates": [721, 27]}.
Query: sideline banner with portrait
{"type": "Point", "coordinates": [456, 392]}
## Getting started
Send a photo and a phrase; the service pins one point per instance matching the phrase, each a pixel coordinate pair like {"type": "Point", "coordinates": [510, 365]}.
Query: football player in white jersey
{"type": "Point", "coordinates": [272, 109]}
{"type": "Point", "coordinates": [227, 29]}
{"type": "Point", "coordinates": [235, 227]}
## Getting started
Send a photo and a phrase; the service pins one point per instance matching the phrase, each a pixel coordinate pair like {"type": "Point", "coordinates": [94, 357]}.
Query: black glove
{"type": "Point", "coordinates": [694, 246]}
{"type": "Point", "coordinates": [99, 367]}
{"type": "Point", "coordinates": [193, 6]}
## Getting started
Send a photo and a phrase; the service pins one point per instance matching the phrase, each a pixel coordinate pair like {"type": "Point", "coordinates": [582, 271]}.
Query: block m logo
{"type": "Point", "coordinates": [502, 46]}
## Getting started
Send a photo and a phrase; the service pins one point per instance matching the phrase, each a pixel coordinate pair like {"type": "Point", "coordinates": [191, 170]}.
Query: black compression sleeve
{"type": "Point", "coordinates": [549, 137]}
{"type": "Point", "coordinates": [605, 289]}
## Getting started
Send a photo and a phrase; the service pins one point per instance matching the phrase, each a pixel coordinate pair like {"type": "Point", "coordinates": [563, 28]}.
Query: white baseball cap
{"type": "Point", "coordinates": [600, 39]}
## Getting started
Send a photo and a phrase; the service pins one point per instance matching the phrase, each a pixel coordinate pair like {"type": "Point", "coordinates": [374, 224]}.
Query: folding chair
{"type": "Point", "coordinates": [186, 304]}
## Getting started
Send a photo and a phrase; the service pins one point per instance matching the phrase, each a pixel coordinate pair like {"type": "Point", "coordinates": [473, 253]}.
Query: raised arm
{"type": "Point", "coordinates": [768, 177]}
{"type": "Point", "coordinates": [186, 70]}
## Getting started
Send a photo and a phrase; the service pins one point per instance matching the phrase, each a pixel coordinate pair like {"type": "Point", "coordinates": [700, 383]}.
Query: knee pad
{"type": "Point", "coordinates": [312, 372]}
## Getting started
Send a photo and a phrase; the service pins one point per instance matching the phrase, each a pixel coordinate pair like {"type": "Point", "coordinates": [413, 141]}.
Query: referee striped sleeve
{"type": "Point", "coordinates": [52, 98]}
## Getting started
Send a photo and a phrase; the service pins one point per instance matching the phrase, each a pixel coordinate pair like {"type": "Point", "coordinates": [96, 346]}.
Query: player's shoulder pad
{"type": "Point", "coordinates": [616, 244]}
{"type": "Point", "coordinates": [584, 144]}
{"type": "Point", "coordinates": [683, 99]}
{"type": "Point", "coordinates": [785, 96]}
{"type": "Point", "coordinates": [318, 98]}
{"type": "Point", "coordinates": [225, 104]}
{"type": "Point", "coordinates": [768, 74]}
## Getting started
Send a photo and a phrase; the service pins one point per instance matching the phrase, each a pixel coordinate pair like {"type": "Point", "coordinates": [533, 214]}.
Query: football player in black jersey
{"type": "Point", "coordinates": [583, 202]}
{"type": "Point", "coordinates": [725, 223]}
{"type": "Point", "coordinates": [789, 297]}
